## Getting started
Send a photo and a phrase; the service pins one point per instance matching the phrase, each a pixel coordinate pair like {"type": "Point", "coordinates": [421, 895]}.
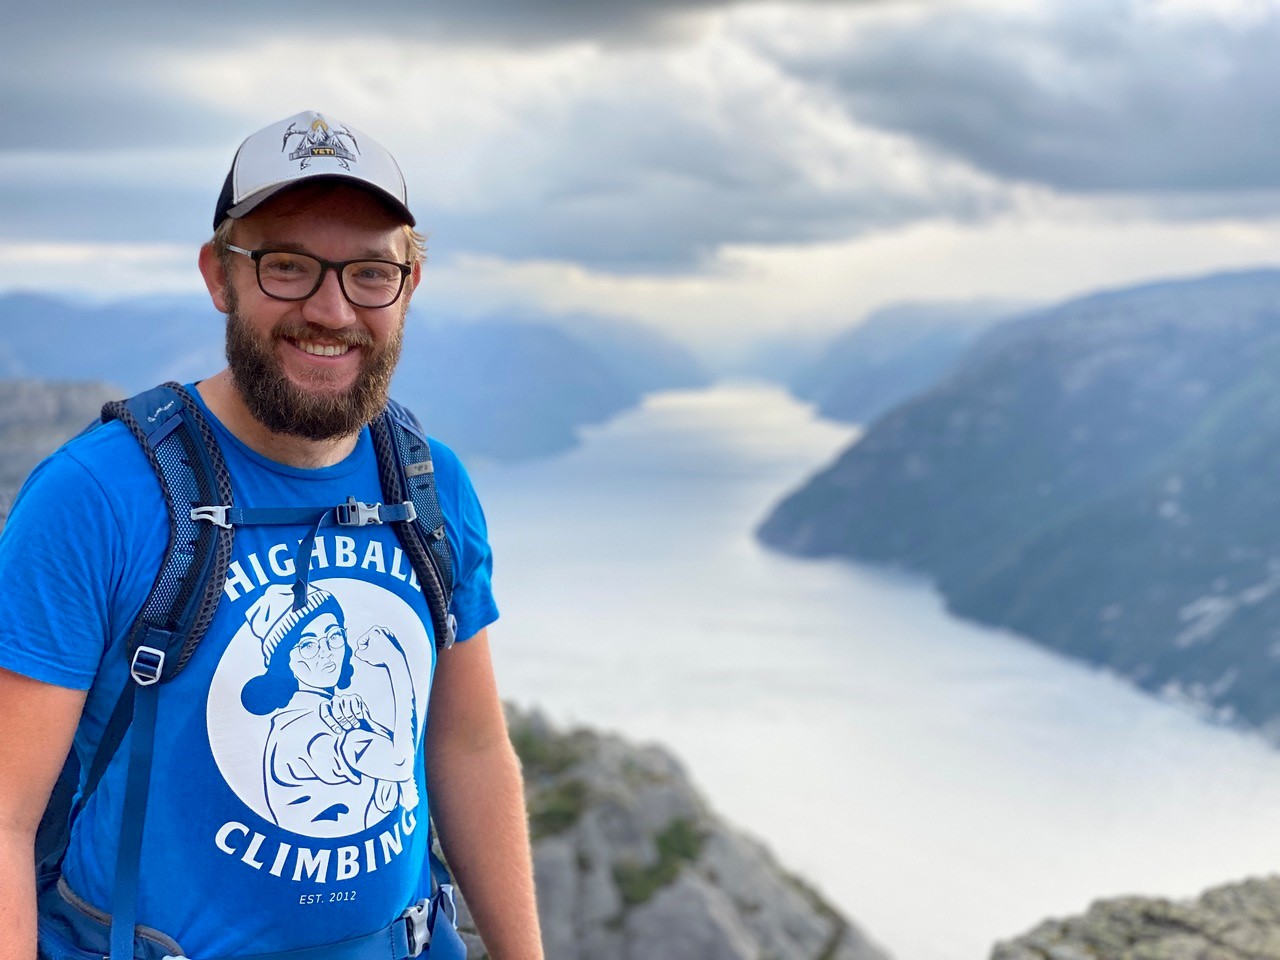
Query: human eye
{"type": "Point", "coordinates": [373, 272]}
{"type": "Point", "coordinates": [287, 266]}
{"type": "Point", "coordinates": [307, 649]}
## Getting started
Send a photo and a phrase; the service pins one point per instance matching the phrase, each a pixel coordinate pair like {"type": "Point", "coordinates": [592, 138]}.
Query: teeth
{"type": "Point", "coordinates": [321, 350]}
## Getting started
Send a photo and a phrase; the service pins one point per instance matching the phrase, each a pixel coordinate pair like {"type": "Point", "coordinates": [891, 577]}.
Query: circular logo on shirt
{"type": "Point", "coordinates": [317, 707]}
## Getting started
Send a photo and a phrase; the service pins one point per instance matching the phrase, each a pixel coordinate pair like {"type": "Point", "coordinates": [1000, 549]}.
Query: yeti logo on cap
{"type": "Point", "coordinates": [321, 141]}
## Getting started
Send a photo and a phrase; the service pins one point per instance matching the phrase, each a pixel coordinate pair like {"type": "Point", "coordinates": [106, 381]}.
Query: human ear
{"type": "Point", "coordinates": [215, 278]}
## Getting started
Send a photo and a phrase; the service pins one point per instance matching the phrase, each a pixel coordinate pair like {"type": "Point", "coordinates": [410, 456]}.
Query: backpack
{"type": "Point", "coordinates": [182, 449]}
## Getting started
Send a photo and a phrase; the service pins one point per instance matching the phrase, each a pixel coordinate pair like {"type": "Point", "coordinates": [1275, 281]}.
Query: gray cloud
{"type": "Point", "coordinates": [505, 22]}
{"type": "Point", "coordinates": [84, 72]}
{"type": "Point", "coordinates": [625, 185]}
{"type": "Point", "coordinates": [1095, 96]}
{"type": "Point", "coordinates": [637, 170]}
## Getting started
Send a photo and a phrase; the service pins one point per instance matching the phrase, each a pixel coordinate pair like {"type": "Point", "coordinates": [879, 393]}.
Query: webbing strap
{"type": "Point", "coordinates": [124, 895]}
{"type": "Point", "coordinates": [353, 513]}
{"type": "Point", "coordinates": [112, 735]}
{"type": "Point", "coordinates": [349, 514]}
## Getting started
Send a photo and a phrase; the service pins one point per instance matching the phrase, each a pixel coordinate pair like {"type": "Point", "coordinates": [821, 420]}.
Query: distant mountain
{"type": "Point", "coordinates": [515, 389]}
{"type": "Point", "coordinates": [1238, 921]}
{"type": "Point", "coordinates": [1101, 477]}
{"type": "Point", "coordinates": [895, 353]}
{"type": "Point", "coordinates": [640, 359]}
{"type": "Point", "coordinates": [494, 388]}
{"type": "Point", "coordinates": [132, 344]}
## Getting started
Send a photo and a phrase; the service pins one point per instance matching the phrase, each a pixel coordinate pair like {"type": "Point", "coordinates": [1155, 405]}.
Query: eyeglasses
{"type": "Point", "coordinates": [335, 639]}
{"type": "Point", "coordinates": [295, 276]}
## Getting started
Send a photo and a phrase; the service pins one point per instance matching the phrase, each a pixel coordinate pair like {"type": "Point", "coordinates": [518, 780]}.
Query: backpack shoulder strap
{"type": "Point", "coordinates": [182, 450]}
{"type": "Point", "coordinates": [181, 447]}
{"type": "Point", "coordinates": [407, 473]}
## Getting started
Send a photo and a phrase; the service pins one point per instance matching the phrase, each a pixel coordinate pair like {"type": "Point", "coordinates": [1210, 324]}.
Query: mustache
{"type": "Point", "coordinates": [302, 330]}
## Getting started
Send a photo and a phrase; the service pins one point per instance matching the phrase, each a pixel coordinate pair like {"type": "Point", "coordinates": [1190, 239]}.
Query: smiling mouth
{"type": "Point", "coordinates": [321, 349]}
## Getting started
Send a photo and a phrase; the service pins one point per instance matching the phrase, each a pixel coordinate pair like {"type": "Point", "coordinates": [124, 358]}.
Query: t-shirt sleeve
{"type": "Point", "coordinates": [59, 555]}
{"type": "Point", "coordinates": [473, 604]}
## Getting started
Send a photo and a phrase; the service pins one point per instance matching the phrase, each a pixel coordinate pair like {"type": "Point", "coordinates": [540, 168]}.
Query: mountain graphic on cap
{"type": "Point", "coordinates": [304, 147]}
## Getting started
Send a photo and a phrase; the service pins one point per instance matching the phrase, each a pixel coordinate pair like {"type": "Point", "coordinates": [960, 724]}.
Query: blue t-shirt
{"type": "Point", "coordinates": [288, 803]}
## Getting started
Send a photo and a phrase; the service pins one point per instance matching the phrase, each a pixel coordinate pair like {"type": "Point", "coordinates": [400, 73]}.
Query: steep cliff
{"type": "Point", "coordinates": [1098, 477]}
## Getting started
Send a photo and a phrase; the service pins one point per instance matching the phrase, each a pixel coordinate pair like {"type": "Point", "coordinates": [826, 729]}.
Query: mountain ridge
{"type": "Point", "coordinates": [494, 387]}
{"type": "Point", "coordinates": [1092, 476]}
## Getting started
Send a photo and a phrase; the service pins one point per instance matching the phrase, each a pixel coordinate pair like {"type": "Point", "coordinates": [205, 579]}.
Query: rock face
{"type": "Point", "coordinates": [631, 865]}
{"type": "Point", "coordinates": [1239, 921]}
{"type": "Point", "coordinates": [35, 418]}
{"type": "Point", "coordinates": [1098, 477]}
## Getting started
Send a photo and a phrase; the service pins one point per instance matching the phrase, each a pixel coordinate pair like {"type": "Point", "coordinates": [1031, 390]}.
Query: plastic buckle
{"type": "Point", "coordinates": [214, 514]}
{"type": "Point", "coordinates": [451, 631]}
{"type": "Point", "coordinates": [148, 662]}
{"type": "Point", "coordinates": [353, 513]}
{"type": "Point", "coordinates": [417, 927]}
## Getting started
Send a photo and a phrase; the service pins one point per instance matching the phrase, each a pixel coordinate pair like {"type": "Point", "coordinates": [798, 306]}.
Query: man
{"type": "Point", "coordinates": [288, 798]}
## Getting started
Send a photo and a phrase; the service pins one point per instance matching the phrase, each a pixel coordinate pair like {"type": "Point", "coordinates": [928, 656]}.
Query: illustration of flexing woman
{"type": "Point", "coordinates": [334, 762]}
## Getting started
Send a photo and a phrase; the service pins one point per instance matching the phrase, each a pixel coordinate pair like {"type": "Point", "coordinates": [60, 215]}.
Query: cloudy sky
{"type": "Point", "coordinates": [721, 169]}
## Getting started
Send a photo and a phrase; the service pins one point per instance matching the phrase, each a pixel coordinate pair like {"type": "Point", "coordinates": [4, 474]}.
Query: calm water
{"type": "Point", "coordinates": [945, 785]}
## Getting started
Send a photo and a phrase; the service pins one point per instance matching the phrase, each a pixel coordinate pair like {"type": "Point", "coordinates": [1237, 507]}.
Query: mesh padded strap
{"type": "Point", "coordinates": [182, 450]}
{"type": "Point", "coordinates": [406, 471]}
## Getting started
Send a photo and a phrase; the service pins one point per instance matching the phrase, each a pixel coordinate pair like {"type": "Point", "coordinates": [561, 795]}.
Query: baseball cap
{"type": "Point", "coordinates": [308, 146]}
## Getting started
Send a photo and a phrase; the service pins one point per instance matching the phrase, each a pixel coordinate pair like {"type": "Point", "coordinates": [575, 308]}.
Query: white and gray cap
{"type": "Point", "coordinates": [308, 146]}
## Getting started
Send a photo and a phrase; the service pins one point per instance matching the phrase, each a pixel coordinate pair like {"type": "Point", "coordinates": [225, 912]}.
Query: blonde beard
{"type": "Point", "coordinates": [285, 408]}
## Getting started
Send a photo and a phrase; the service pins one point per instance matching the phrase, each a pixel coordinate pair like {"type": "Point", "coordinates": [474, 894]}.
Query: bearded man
{"type": "Point", "coordinates": [314, 260]}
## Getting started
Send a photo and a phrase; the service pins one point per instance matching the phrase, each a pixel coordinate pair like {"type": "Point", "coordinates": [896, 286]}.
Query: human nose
{"type": "Point", "coordinates": [329, 306]}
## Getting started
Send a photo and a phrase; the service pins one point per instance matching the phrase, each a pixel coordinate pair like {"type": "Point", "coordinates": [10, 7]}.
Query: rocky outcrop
{"type": "Point", "coordinates": [1240, 921]}
{"type": "Point", "coordinates": [34, 418]}
{"type": "Point", "coordinates": [632, 865]}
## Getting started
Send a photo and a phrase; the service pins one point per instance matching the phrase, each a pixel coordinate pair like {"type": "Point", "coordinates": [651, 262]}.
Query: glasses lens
{"type": "Point", "coordinates": [291, 276]}
{"type": "Point", "coordinates": [372, 283]}
{"type": "Point", "coordinates": [336, 638]}
{"type": "Point", "coordinates": [308, 649]}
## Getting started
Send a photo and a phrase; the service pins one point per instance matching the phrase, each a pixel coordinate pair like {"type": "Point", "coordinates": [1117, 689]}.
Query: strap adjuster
{"type": "Point", "coordinates": [148, 662]}
{"type": "Point", "coordinates": [217, 515]}
{"type": "Point", "coordinates": [353, 513]}
{"type": "Point", "coordinates": [417, 927]}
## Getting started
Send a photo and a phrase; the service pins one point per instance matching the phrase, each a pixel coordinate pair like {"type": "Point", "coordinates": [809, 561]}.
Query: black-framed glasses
{"type": "Point", "coordinates": [283, 275]}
